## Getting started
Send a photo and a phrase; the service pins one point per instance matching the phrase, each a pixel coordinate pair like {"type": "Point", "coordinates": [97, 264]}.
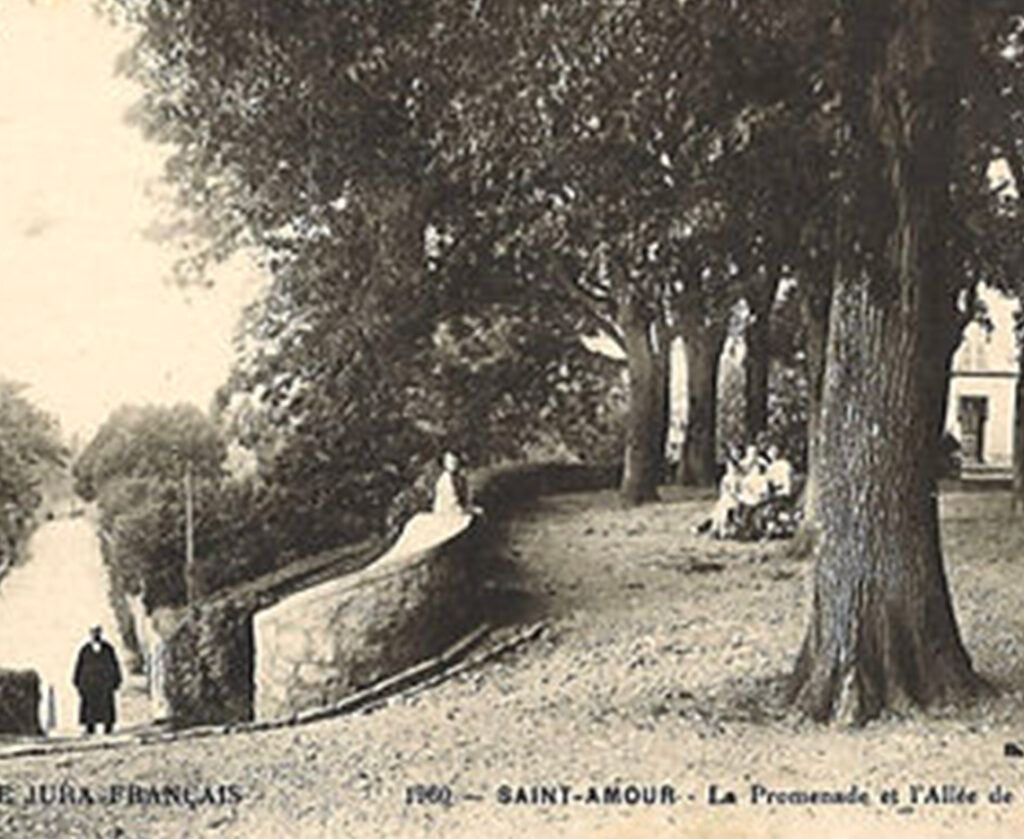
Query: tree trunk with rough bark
{"type": "Point", "coordinates": [647, 368]}
{"type": "Point", "coordinates": [882, 634]}
{"type": "Point", "coordinates": [702, 349]}
{"type": "Point", "coordinates": [757, 361]}
{"type": "Point", "coordinates": [814, 307]}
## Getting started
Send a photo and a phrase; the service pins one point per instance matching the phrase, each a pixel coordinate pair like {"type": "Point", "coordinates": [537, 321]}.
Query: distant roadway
{"type": "Point", "coordinates": [47, 605]}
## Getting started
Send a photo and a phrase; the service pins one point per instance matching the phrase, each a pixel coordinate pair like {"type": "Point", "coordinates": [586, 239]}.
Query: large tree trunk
{"type": "Point", "coordinates": [814, 309]}
{"type": "Point", "coordinates": [757, 361]}
{"type": "Point", "coordinates": [646, 363]}
{"type": "Point", "coordinates": [882, 633]}
{"type": "Point", "coordinates": [702, 349]}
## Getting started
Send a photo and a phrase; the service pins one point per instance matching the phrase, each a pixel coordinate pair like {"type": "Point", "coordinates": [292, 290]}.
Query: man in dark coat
{"type": "Point", "coordinates": [97, 676]}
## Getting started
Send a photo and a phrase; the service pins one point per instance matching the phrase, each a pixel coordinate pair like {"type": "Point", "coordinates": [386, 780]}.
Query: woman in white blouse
{"type": "Point", "coordinates": [451, 492]}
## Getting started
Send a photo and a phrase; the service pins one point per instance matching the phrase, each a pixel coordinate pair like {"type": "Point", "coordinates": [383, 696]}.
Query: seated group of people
{"type": "Point", "coordinates": [756, 497]}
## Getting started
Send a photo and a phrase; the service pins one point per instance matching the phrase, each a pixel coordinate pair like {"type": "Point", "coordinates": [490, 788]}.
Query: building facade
{"type": "Point", "coordinates": [981, 410]}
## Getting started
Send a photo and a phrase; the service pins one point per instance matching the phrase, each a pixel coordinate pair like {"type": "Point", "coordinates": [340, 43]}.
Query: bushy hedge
{"type": "Point", "coordinates": [242, 531]}
{"type": "Point", "coordinates": [209, 665]}
{"type": "Point", "coordinates": [505, 488]}
{"type": "Point", "coordinates": [19, 702]}
{"type": "Point", "coordinates": [118, 592]}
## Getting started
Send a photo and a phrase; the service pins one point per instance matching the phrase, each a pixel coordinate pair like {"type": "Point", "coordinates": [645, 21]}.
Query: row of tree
{"type": "Point", "coordinates": [624, 167]}
{"type": "Point", "coordinates": [405, 167]}
{"type": "Point", "coordinates": [436, 186]}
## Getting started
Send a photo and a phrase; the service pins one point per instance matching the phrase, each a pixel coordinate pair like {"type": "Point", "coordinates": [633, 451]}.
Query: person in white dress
{"type": "Point", "coordinates": [451, 491]}
{"type": "Point", "coordinates": [749, 460]}
{"type": "Point", "coordinates": [779, 474]}
{"type": "Point", "coordinates": [754, 489]}
{"type": "Point", "coordinates": [724, 512]}
{"type": "Point", "coordinates": [450, 513]}
{"type": "Point", "coordinates": [754, 492]}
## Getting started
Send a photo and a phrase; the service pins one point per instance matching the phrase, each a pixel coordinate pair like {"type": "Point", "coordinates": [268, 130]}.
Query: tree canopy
{"type": "Point", "coordinates": [397, 164]}
{"type": "Point", "coordinates": [152, 441]}
{"type": "Point", "coordinates": [29, 443]}
{"type": "Point", "coordinates": [450, 195]}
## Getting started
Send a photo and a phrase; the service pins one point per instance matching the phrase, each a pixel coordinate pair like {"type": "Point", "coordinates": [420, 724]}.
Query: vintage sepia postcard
{"type": "Point", "coordinates": [476, 418]}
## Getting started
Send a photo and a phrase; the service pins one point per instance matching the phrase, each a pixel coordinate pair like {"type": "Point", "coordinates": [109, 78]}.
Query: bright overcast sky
{"type": "Point", "coordinates": [88, 317]}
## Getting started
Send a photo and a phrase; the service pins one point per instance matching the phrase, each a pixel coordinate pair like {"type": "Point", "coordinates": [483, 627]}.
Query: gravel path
{"type": "Point", "coordinates": [660, 669]}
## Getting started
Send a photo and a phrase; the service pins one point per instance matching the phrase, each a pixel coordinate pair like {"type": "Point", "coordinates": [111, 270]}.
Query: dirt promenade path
{"type": "Point", "coordinates": [660, 669]}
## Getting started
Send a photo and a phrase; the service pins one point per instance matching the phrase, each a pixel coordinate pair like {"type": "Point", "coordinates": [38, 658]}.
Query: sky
{"type": "Point", "coordinates": [88, 317]}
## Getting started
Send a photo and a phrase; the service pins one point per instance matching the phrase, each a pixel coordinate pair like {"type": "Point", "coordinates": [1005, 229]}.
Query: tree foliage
{"type": "Point", "coordinates": [155, 442]}
{"type": "Point", "coordinates": [29, 443]}
{"type": "Point", "coordinates": [334, 137]}
{"type": "Point", "coordinates": [579, 155]}
{"type": "Point", "coordinates": [134, 467]}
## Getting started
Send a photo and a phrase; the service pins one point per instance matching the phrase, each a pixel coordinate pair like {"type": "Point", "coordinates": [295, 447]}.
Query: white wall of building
{"type": "Point", "coordinates": [985, 365]}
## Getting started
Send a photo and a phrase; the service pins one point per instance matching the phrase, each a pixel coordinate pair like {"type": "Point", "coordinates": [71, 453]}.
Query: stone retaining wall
{"type": "Point", "coordinates": [319, 646]}
{"type": "Point", "coordinates": [206, 650]}
{"type": "Point", "coordinates": [401, 608]}
{"type": "Point", "coordinates": [19, 702]}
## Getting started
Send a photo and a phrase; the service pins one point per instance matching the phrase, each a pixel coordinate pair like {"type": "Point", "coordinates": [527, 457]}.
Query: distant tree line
{"type": "Point", "coordinates": [30, 450]}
